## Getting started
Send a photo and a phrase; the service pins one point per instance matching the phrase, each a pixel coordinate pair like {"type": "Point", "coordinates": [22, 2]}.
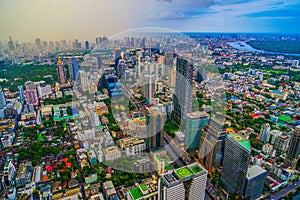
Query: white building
{"type": "Point", "coordinates": [44, 91]}
{"type": "Point", "coordinates": [173, 183]}
{"type": "Point", "coordinates": [132, 146]}
{"type": "Point", "coordinates": [112, 153]}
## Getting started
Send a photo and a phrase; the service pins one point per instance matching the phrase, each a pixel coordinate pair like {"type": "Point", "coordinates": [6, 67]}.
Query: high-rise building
{"type": "Point", "coordinates": [195, 121]}
{"type": "Point", "coordinates": [31, 97]}
{"type": "Point", "coordinates": [148, 86]}
{"type": "Point", "coordinates": [38, 44]}
{"type": "Point", "coordinates": [61, 72]}
{"type": "Point", "coordinates": [293, 153]}
{"type": "Point", "coordinates": [188, 182]}
{"type": "Point", "coordinates": [212, 144]}
{"type": "Point", "coordinates": [2, 99]}
{"type": "Point", "coordinates": [255, 182]}
{"type": "Point", "coordinates": [155, 133]}
{"type": "Point", "coordinates": [100, 61]}
{"type": "Point", "coordinates": [169, 62]}
{"type": "Point", "coordinates": [138, 63]}
{"type": "Point", "coordinates": [237, 156]}
{"type": "Point", "coordinates": [87, 45]}
{"type": "Point", "coordinates": [172, 77]}
{"type": "Point", "coordinates": [10, 43]}
{"type": "Point", "coordinates": [21, 93]}
{"type": "Point", "coordinates": [75, 68]}
{"type": "Point", "coordinates": [183, 89]}
{"type": "Point", "coordinates": [117, 53]}
{"type": "Point", "coordinates": [264, 132]}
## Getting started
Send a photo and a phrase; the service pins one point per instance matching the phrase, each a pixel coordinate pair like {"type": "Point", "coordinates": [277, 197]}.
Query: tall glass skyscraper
{"type": "Point", "coordinates": [75, 68]}
{"type": "Point", "coordinates": [237, 156]}
{"type": "Point", "coordinates": [183, 89]}
{"type": "Point", "coordinates": [155, 123]}
{"type": "Point", "coordinates": [293, 153]}
{"type": "Point", "coordinates": [212, 144]}
{"type": "Point", "coordinates": [195, 121]}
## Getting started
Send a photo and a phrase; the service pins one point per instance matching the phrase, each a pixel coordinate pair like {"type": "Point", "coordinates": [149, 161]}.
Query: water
{"type": "Point", "coordinates": [245, 47]}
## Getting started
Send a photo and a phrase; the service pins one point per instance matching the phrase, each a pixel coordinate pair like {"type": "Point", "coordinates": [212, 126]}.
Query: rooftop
{"type": "Point", "coordinates": [197, 115]}
{"type": "Point", "coordinates": [181, 174]}
{"type": "Point", "coordinates": [136, 193]}
{"type": "Point", "coordinates": [254, 171]}
{"type": "Point", "coordinates": [241, 141]}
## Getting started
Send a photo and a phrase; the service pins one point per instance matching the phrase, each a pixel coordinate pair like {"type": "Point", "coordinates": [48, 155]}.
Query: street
{"type": "Point", "coordinates": [284, 191]}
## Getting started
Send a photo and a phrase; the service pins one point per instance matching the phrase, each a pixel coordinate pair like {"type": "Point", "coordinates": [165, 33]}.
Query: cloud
{"type": "Point", "coordinates": [171, 15]}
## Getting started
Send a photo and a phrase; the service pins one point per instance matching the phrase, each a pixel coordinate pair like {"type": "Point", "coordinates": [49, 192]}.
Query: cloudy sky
{"type": "Point", "coordinates": [85, 19]}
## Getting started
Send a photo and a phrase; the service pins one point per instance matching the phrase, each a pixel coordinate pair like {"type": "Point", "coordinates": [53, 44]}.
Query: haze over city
{"type": "Point", "coordinates": [61, 19]}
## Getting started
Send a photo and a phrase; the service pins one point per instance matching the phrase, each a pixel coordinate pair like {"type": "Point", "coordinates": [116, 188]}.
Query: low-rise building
{"type": "Point", "coordinates": [112, 153]}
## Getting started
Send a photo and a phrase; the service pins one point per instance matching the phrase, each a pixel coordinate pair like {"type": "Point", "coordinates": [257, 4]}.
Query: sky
{"type": "Point", "coordinates": [26, 20]}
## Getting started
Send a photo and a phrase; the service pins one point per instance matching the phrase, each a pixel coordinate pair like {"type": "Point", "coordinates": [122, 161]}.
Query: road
{"type": "Point", "coordinates": [133, 99]}
{"type": "Point", "coordinates": [284, 191]}
{"type": "Point", "coordinates": [81, 181]}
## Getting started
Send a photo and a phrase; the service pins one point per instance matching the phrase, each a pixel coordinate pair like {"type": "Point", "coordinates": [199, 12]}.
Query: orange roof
{"type": "Point", "coordinates": [68, 164]}
{"type": "Point", "coordinates": [45, 178]}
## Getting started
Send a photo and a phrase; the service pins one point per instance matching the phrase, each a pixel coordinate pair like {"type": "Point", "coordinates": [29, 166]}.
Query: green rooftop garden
{"type": "Point", "coordinates": [195, 169]}
{"type": "Point", "coordinates": [143, 187]}
{"type": "Point", "coordinates": [286, 119]}
{"type": "Point", "coordinates": [183, 172]}
{"type": "Point", "coordinates": [136, 193]}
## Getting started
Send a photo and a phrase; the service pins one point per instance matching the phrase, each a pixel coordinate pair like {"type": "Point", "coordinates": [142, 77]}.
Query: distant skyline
{"type": "Point", "coordinates": [84, 20]}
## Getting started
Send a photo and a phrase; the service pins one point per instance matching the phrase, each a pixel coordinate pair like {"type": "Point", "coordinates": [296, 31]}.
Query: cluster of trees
{"type": "Point", "coordinates": [18, 75]}
{"type": "Point", "coordinates": [171, 128]}
{"type": "Point", "coordinates": [36, 151]}
{"type": "Point", "coordinates": [57, 101]}
{"type": "Point", "coordinates": [284, 46]}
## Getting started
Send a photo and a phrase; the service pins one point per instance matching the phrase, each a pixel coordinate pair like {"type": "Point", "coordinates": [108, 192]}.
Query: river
{"type": "Point", "coordinates": [245, 47]}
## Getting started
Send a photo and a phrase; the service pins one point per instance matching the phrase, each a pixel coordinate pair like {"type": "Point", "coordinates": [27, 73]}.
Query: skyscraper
{"type": "Point", "coordinates": [117, 53]}
{"type": "Point", "coordinates": [188, 182]}
{"type": "Point", "coordinates": [212, 144]}
{"type": "Point", "coordinates": [155, 134]}
{"type": "Point", "coordinates": [183, 89]}
{"type": "Point", "coordinates": [254, 182]}
{"type": "Point", "coordinates": [75, 68]}
{"type": "Point", "coordinates": [236, 161]}
{"type": "Point", "coordinates": [38, 44]}
{"type": "Point", "coordinates": [138, 63]}
{"type": "Point", "coordinates": [195, 121]}
{"type": "Point", "coordinates": [2, 99]}
{"type": "Point", "coordinates": [148, 86]}
{"type": "Point", "coordinates": [10, 44]}
{"type": "Point", "coordinates": [61, 72]}
{"type": "Point", "coordinates": [293, 153]}
{"type": "Point", "coordinates": [87, 45]}
{"type": "Point", "coordinates": [169, 62]}
{"type": "Point", "coordinates": [21, 93]}
{"type": "Point", "coordinates": [172, 77]}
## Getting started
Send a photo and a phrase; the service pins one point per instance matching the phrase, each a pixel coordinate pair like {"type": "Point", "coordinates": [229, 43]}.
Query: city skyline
{"type": "Point", "coordinates": [85, 20]}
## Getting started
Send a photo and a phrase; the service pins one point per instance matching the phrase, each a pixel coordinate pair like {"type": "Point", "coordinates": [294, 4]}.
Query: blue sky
{"type": "Point", "coordinates": [230, 16]}
{"type": "Point", "coordinates": [59, 19]}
